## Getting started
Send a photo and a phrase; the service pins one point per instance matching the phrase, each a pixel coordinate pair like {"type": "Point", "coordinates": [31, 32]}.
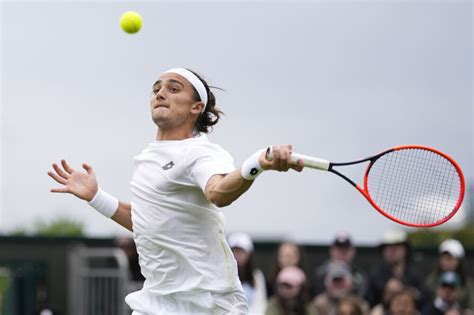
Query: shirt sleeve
{"type": "Point", "coordinates": [209, 160]}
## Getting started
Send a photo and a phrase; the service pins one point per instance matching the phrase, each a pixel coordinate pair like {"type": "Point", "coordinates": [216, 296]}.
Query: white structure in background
{"type": "Point", "coordinates": [98, 281]}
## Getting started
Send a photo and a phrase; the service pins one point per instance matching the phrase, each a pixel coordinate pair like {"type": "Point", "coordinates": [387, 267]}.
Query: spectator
{"type": "Point", "coordinates": [403, 303]}
{"type": "Point", "coordinates": [349, 306]}
{"type": "Point", "coordinates": [252, 279]}
{"type": "Point", "coordinates": [343, 250]}
{"type": "Point", "coordinates": [392, 287]}
{"type": "Point", "coordinates": [448, 294]}
{"type": "Point", "coordinates": [136, 279]}
{"type": "Point", "coordinates": [288, 254]}
{"type": "Point", "coordinates": [127, 245]}
{"type": "Point", "coordinates": [451, 258]}
{"type": "Point", "coordinates": [291, 296]}
{"type": "Point", "coordinates": [338, 285]}
{"type": "Point", "coordinates": [396, 263]}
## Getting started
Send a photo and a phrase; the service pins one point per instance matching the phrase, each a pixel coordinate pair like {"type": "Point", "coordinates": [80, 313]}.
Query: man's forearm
{"type": "Point", "coordinates": [223, 190]}
{"type": "Point", "coordinates": [123, 215]}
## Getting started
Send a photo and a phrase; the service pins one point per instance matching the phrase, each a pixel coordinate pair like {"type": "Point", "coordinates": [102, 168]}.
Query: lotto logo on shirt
{"type": "Point", "coordinates": [168, 166]}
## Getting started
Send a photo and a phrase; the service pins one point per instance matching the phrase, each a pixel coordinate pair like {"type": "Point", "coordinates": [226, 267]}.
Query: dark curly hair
{"type": "Point", "coordinates": [211, 114]}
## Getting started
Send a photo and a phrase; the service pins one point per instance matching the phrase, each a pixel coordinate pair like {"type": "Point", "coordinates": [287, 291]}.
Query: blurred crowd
{"type": "Point", "coordinates": [339, 287]}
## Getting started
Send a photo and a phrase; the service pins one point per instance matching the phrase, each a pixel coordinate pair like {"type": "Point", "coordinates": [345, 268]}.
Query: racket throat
{"type": "Point", "coordinates": [331, 169]}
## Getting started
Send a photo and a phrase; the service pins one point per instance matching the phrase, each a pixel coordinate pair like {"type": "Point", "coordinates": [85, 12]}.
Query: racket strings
{"type": "Point", "coordinates": [438, 195]}
{"type": "Point", "coordinates": [415, 190]}
{"type": "Point", "coordinates": [416, 186]}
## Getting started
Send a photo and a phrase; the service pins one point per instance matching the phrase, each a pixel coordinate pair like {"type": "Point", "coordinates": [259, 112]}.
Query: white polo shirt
{"type": "Point", "coordinates": [179, 234]}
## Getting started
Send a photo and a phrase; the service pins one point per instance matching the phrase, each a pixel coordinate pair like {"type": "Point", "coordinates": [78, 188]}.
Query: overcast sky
{"type": "Point", "coordinates": [338, 79]}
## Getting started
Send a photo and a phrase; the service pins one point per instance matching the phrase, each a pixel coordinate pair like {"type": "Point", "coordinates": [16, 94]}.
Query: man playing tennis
{"type": "Point", "coordinates": [177, 182]}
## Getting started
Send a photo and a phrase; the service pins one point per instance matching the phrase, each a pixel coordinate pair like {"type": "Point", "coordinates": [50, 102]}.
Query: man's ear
{"type": "Point", "coordinates": [197, 108]}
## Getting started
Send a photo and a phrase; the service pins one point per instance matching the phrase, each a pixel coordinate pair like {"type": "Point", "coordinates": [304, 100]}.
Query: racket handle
{"type": "Point", "coordinates": [309, 161]}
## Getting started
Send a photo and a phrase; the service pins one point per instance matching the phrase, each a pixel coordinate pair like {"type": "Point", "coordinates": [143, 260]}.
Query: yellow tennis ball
{"type": "Point", "coordinates": [131, 22]}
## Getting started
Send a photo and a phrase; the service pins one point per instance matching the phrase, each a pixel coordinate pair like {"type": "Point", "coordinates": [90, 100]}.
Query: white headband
{"type": "Point", "coordinates": [195, 82]}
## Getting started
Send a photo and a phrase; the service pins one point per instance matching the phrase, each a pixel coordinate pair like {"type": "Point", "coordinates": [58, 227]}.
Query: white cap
{"type": "Point", "coordinates": [241, 240]}
{"type": "Point", "coordinates": [453, 247]}
{"type": "Point", "coordinates": [392, 237]}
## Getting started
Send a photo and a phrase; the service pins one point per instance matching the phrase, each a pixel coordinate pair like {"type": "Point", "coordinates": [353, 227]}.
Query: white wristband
{"type": "Point", "coordinates": [104, 203]}
{"type": "Point", "coordinates": [251, 168]}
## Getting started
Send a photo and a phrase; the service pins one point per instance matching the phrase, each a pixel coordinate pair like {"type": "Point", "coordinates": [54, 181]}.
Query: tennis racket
{"type": "Point", "coordinates": [412, 185]}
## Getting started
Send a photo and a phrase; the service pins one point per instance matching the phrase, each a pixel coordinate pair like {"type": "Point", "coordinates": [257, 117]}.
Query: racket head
{"type": "Point", "coordinates": [414, 185]}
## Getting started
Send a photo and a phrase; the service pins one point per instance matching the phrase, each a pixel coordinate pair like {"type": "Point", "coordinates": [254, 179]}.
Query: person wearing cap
{"type": "Point", "coordinates": [252, 278]}
{"type": "Point", "coordinates": [291, 296]}
{"type": "Point", "coordinates": [337, 286]}
{"type": "Point", "coordinates": [288, 253]}
{"type": "Point", "coordinates": [448, 294]}
{"type": "Point", "coordinates": [396, 263]}
{"type": "Point", "coordinates": [341, 249]}
{"type": "Point", "coordinates": [179, 181]}
{"type": "Point", "coordinates": [451, 257]}
{"type": "Point", "coordinates": [136, 279]}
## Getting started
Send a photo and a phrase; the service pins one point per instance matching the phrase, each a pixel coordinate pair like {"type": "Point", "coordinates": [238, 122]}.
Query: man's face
{"type": "Point", "coordinates": [338, 287]}
{"type": "Point", "coordinates": [173, 102]}
{"type": "Point", "coordinates": [394, 254]}
{"type": "Point", "coordinates": [448, 293]}
{"type": "Point", "coordinates": [342, 253]}
{"type": "Point", "coordinates": [448, 262]}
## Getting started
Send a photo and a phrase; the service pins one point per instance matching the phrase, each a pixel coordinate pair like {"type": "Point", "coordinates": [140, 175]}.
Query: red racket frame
{"type": "Point", "coordinates": [364, 190]}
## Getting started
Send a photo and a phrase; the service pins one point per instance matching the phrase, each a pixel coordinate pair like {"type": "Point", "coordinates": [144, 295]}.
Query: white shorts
{"type": "Point", "coordinates": [200, 302]}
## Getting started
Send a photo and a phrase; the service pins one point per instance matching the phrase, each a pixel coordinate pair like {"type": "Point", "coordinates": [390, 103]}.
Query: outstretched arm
{"type": "Point", "coordinates": [222, 190]}
{"type": "Point", "coordinates": [123, 215]}
{"type": "Point", "coordinates": [85, 186]}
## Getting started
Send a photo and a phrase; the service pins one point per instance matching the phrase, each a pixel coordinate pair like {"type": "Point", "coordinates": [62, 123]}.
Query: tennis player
{"type": "Point", "coordinates": [179, 183]}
